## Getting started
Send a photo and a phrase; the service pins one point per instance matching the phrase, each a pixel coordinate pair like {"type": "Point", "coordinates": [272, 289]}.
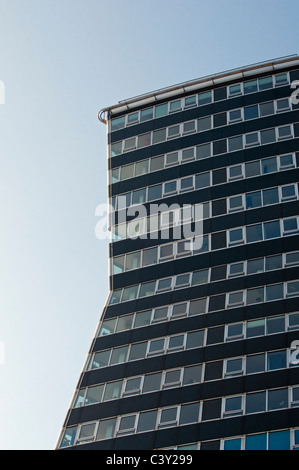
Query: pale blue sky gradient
{"type": "Point", "coordinates": [62, 61]}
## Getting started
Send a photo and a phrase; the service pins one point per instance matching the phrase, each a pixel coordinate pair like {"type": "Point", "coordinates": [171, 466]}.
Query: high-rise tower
{"type": "Point", "coordinates": [196, 345]}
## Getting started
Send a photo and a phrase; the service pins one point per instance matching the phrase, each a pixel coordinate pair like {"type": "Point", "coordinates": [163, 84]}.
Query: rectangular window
{"type": "Point", "coordinates": [282, 105]}
{"type": "Point", "coordinates": [172, 159]}
{"type": "Point", "coordinates": [252, 139]}
{"type": "Point", "coordinates": [147, 289]}
{"type": "Point", "coordinates": [144, 140]}
{"type": "Point", "coordinates": [233, 406]}
{"type": "Point", "coordinates": [251, 112]}
{"type": "Point", "coordinates": [250, 87]}
{"type": "Point", "coordinates": [203, 151]}
{"type": "Point", "coordinates": [204, 124]}
{"type": "Point", "coordinates": [290, 226]}
{"type": "Point", "coordinates": [236, 236]}
{"type": "Point", "coordinates": [204, 98]}
{"type": "Point", "coordinates": [168, 417]}
{"type": "Point", "coordinates": [286, 162]}
{"type": "Point", "coordinates": [173, 131]}
{"type": "Point", "coordinates": [235, 298]}
{"type": "Point", "coordinates": [188, 154]}
{"type": "Point", "coordinates": [235, 172]}
{"type": "Point", "coordinates": [234, 332]}
{"type": "Point", "coordinates": [130, 144]}
{"type": "Point", "coordinates": [284, 132]}
{"type": "Point", "coordinates": [159, 136]}
{"type": "Point", "coordinates": [234, 90]}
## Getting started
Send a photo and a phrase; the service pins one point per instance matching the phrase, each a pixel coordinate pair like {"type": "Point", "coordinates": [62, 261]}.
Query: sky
{"type": "Point", "coordinates": [61, 61]}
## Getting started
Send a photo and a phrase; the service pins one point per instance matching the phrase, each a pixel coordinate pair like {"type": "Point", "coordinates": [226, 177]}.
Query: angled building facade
{"type": "Point", "coordinates": [196, 345]}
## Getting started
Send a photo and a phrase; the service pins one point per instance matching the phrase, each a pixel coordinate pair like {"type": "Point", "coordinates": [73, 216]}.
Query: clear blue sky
{"type": "Point", "coordinates": [61, 61]}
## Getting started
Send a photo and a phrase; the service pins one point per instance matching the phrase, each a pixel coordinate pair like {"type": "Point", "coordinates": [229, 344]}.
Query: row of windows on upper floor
{"type": "Point", "coordinates": [161, 162]}
{"type": "Point", "coordinates": [197, 338]}
{"type": "Point", "coordinates": [200, 99]}
{"type": "Point", "coordinates": [199, 125]}
{"type": "Point", "coordinates": [282, 439]}
{"type": "Point", "coordinates": [191, 374]}
{"type": "Point", "coordinates": [182, 415]}
{"type": "Point", "coordinates": [251, 296]}
{"type": "Point", "coordinates": [204, 243]}
{"type": "Point", "coordinates": [196, 278]}
{"type": "Point", "coordinates": [171, 215]}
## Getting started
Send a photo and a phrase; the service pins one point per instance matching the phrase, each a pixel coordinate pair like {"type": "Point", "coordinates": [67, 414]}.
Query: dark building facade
{"type": "Point", "coordinates": [196, 345]}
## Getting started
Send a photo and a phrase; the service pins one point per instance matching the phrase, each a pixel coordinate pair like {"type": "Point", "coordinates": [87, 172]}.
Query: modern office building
{"type": "Point", "coordinates": [196, 345]}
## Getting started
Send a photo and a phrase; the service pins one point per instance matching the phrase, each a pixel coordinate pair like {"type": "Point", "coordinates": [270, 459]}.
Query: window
{"type": "Point", "coordinates": [284, 132]}
{"type": "Point", "coordinates": [126, 424]}
{"type": "Point", "coordinates": [170, 187]}
{"type": "Point", "coordinates": [233, 367]}
{"type": "Point", "coordinates": [146, 114]}
{"type": "Point", "coordinates": [173, 131]}
{"type": "Point", "coordinates": [273, 262]}
{"type": "Point", "coordinates": [119, 355]}
{"type": "Point", "coordinates": [100, 359]}
{"type": "Point", "coordinates": [117, 123]}
{"type": "Point", "coordinates": [271, 230]}
{"type": "Point", "coordinates": [255, 363]}
{"type": "Point", "coordinates": [254, 233]}
{"type": "Point", "coordinates": [290, 226]}
{"type": "Point", "coordinates": [116, 149]}
{"type": "Point", "coordinates": [186, 183]}
{"type": "Point", "coordinates": [190, 101]}
{"type": "Point", "coordinates": [175, 106]}
{"type": "Point", "coordinates": [204, 124]}
{"type": "Point", "coordinates": [255, 402]}
{"type": "Point", "coordinates": [252, 169]}
{"type": "Point", "coordinates": [112, 390]}
{"type": "Point", "coordinates": [160, 314]}
{"type": "Point", "coordinates": [268, 136]}
{"type": "Point", "coordinates": [176, 342]}
{"type": "Point", "coordinates": [192, 375]}
{"type": "Point", "coordinates": [130, 293]}
{"type": "Point", "coordinates": [250, 87]}
{"type": "Point", "coordinates": [292, 288]}
{"type": "Point", "coordinates": [150, 256]}
{"type": "Point", "coordinates": [168, 417]}
{"type": "Point", "coordinates": [270, 196]}
{"type": "Point", "coordinates": [133, 386]}
{"type": "Point", "coordinates": [154, 192]}
{"type": "Point", "coordinates": [166, 251]}
{"type": "Point", "coordinates": [132, 118]}
{"type": "Point", "coordinates": [269, 165]}
{"type": "Point", "coordinates": [182, 280]}
{"type": "Point", "coordinates": [159, 136]}
{"type": "Point", "coordinates": [282, 105]}
{"type": "Point", "coordinates": [234, 332]}
{"type": "Point", "coordinates": [189, 413]}
{"type": "Point", "coordinates": [251, 112]}
{"type": "Point", "coordinates": [156, 346]}
{"type": "Point", "coordinates": [235, 298]}
{"type": "Point", "coordinates": [235, 115]}
{"type": "Point", "coordinates": [255, 295]}
{"type": "Point", "coordinates": [179, 310]}
{"type": "Point", "coordinates": [255, 266]}
{"type": "Point", "coordinates": [147, 289]}
{"type": "Point", "coordinates": [188, 127]}
{"type": "Point", "coordinates": [288, 193]}
{"type": "Point", "coordinates": [195, 339]}
{"type": "Point", "coordinates": [157, 163]}
{"type": "Point", "coordinates": [202, 180]}
{"type": "Point", "coordinates": [203, 151]}
{"type": "Point", "coordinates": [251, 139]}
{"type": "Point", "coordinates": [235, 143]}
{"type": "Point", "coordinates": [152, 382]}
{"type": "Point", "coordinates": [147, 421]}
{"type": "Point", "coordinates": [126, 172]}
{"type": "Point", "coordinates": [87, 432]}
{"type": "Point", "coordinates": [130, 144]}
{"type": "Point", "coordinates": [276, 360]}
{"type": "Point", "coordinates": [292, 258]}
{"type": "Point", "coordinates": [265, 83]}
{"type": "Point", "coordinates": [233, 406]}
{"type": "Point", "coordinates": [187, 154]}
{"type": "Point", "coordinates": [161, 110]}
{"type": "Point", "coordinates": [133, 260]}
{"type": "Point", "coordinates": [236, 236]}
{"type": "Point", "coordinates": [236, 203]}
{"type": "Point", "coordinates": [236, 269]}
{"type": "Point", "coordinates": [286, 162]}
{"type": "Point", "coordinates": [255, 328]}
{"type": "Point", "coordinates": [235, 172]}
{"type": "Point", "coordinates": [172, 159]}
{"type": "Point", "coordinates": [204, 98]}
{"type": "Point", "coordinates": [281, 79]}
{"type": "Point", "coordinates": [144, 140]}
{"type": "Point", "coordinates": [124, 323]}
{"type": "Point", "coordinates": [172, 378]}
{"type": "Point", "coordinates": [277, 399]}
{"type": "Point", "coordinates": [94, 394]}
{"type": "Point", "coordinates": [234, 90]}
{"type": "Point", "coordinates": [164, 284]}
{"type": "Point", "coordinates": [200, 277]}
